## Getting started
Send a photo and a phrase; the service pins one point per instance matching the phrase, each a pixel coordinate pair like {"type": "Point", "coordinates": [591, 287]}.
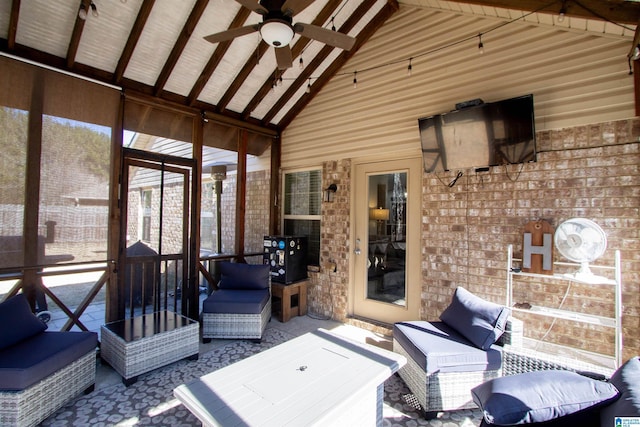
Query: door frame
{"type": "Point", "coordinates": [189, 169]}
{"type": "Point", "coordinates": [381, 311]}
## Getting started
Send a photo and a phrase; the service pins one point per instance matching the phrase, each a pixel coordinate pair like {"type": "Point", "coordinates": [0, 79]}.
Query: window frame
{"type": "Point", "coordinates": [303, 217]}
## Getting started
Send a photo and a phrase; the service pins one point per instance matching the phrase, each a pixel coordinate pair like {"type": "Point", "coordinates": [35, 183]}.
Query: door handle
{"type": "Point", "coordinates": [357, 250]}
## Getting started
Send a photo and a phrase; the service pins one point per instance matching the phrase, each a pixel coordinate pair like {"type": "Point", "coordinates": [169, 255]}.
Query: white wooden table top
{"type": "Point", "coordinates": [296, 383]}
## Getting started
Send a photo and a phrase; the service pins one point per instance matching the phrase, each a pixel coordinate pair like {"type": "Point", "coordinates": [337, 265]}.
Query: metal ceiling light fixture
{"type": "Point", "coordinates": [276, 33]}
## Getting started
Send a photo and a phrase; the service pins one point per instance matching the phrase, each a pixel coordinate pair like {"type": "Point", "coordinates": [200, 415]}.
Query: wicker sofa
{"type": "Point", "coordinates": [40, 371]}
{"type": "Point", "coordinates": [241, 307]}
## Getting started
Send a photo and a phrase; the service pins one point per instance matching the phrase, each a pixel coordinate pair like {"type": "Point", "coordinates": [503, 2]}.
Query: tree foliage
{"type": "Point", "coordinates": [75, 157]}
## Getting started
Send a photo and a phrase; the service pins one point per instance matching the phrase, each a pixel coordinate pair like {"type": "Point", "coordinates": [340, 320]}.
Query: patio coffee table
{"type": "Point", "coordinates": [140, 344]}
{"type": "Point", "coordinates": [318, 379]}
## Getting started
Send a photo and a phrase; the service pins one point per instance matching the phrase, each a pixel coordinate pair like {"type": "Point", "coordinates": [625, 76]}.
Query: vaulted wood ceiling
{"type": "Point", "coordinates": [156, 47]}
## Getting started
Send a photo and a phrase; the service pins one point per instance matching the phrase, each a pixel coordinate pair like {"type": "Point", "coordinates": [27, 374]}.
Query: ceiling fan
{"type": "Point", "coordinates": [277, 28]}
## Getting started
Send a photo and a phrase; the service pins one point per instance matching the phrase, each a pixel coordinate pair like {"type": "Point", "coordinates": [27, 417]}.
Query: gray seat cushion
{"type": "Point", "coordinates": [236, 301]}
{"type": "Point", "coordinates": [437, 347]}
{"type": "Point", "coordinates": [34, 359]}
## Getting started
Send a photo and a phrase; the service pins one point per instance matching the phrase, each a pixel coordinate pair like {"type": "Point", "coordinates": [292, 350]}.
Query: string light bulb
{"type": "Point", "coordinates": [94, 10]}
{"type": "Point", "coordinates": [309, 86]}
{"type": "Point", "coordinates": [355, 80]}
{"type": "Point", "coordinates": [333, 25]}
{"type": "Point", "coordinates": [280, 81]}
{"type": "Point", "coordinates": [563, 11]}
{"type": "Point", "coordinates": [480, 45]}
{"type": "Point", "coordinates": [409, 68]}
{"type": "Point", "coordinates": [82, 12]}
{"type": "Point", "coordinates": [301, 63]}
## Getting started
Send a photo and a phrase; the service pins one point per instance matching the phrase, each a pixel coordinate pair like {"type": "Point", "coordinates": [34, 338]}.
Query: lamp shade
{"type": "Point", "coordinates": [276, 33]}
{"type": "Point", "coordinates": [379, 214]}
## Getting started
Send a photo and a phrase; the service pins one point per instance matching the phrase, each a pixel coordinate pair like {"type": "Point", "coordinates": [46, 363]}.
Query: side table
{"type": "Point", "coordinates": [293, 299]}
{"type": "Point", "coordinates": [140, 344]}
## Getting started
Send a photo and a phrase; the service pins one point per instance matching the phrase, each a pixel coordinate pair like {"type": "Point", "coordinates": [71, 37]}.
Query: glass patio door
{"type": "Point", "coordinates": [387, 240]}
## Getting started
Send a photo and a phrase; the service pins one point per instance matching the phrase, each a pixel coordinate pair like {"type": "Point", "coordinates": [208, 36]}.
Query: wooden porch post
{"type": "Point", "coordinates": [274, 188]}
{"type": "Point", "coordinates": [32, 190]}
{"type": "Point", "coordinates": [241, 193]}
{"type": "Point", "coordinates": [112, 307]}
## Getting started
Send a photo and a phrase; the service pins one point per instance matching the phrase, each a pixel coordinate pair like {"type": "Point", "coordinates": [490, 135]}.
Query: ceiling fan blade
{"type": "Point", "coordinates": [231, 34]}
{"type": "Point", "coordinates": [284, 58]}
{"type": "Point", "coordinates": [330, 37]}
{"type": "Point", "coordinates": [254, 6]}
{"type": "Point", "coordinates": [292, 7]}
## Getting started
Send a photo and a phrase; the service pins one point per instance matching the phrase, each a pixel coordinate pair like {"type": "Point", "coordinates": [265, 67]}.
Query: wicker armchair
{"type": "Point", "coordinates": [446, 359]}
{"type": "Point", "coordinates": [241, 307]}
{"type": "Point", "coordinates": [445, 391]}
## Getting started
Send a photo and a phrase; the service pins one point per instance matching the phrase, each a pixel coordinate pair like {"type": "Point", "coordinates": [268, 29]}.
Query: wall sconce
{"type": "Point", "coordinates": [380, 216]}
{"type": "Point", "coordinates": [330, 192]}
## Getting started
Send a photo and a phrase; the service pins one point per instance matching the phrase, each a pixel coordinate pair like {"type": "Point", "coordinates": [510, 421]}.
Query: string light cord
{"type": "Point", "coordinates": [596, 14]}
{"type": "Point", "coordinates": [452, 44]}
{"type": "Point", "coordinates": [461, 41]}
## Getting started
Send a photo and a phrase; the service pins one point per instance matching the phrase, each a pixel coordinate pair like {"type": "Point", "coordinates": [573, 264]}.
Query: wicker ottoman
{"type": "Point", "coordinates": [143, 343]}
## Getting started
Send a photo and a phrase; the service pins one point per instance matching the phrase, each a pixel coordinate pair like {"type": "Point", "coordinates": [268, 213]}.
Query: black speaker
{"type": "Point", "coordinates": [286, 257]}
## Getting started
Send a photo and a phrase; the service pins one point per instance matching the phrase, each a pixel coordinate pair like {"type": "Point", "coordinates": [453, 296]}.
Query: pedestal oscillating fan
{"type": "Point", "coordinates": [581, 240]}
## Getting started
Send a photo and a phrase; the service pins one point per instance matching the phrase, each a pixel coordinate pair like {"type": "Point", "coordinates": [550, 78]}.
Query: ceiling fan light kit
{"type": "Point", "coordinates": [276, 33]}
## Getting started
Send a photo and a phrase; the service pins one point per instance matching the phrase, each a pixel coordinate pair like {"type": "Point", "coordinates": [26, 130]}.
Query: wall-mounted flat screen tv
{"type": "Point", "coordinates": [488, 134]}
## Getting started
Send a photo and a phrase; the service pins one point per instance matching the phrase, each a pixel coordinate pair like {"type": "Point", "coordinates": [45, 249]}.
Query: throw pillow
{"type": "Point", "coordinates": [627, 381]}
{"type": "Point", "coordinates": [18, 322]}
{"type": "Point", "coordinates": [243, 276]}
{"type": "Point", "coordinates": [480, 321]}
{"type": "Point", "coordinates": [539, 396]}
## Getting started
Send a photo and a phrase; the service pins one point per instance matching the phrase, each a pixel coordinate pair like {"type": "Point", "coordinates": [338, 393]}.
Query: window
{"type": "Point", "coordinates": [146, 215]}
{"type": "Point", "coordinates": [302, 209]}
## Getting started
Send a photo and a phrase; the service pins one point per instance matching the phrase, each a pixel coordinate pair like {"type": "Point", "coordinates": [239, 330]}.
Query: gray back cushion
{"type": "Point", "coordinates": [481, 322]}
{"type": "Point", "coordinates": [17, 322]}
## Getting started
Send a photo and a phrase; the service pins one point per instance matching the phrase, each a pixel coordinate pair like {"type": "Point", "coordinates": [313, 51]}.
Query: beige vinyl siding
{"type": "Point", "coordinates": [577, 76]}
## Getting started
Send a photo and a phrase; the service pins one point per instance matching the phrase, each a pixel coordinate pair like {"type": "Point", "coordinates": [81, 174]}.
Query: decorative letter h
{"type": "Point", "coordinates": [544, 250]}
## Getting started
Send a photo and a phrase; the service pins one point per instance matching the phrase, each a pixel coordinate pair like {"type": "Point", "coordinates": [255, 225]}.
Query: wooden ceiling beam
{"type": "Point", "coordinates": [248, 67]}
{"type": "Point", "coordinates": [304, 76]}
{"type": "Point", "coordinates": [72, 51]}
{"type": "Point", "coordinates": [296, 50]}
{"type": "Point", "coordinates": [620, 11]}
{"type": "Point", "coordinates": [381, 17]}
{"type": "Point", "coordinates": [13, 24]}
{"type": "Point", "coordinates": [132, 41]}
{"type": "Point", "coordinates": [216, 57]}
{"type": "Point", "coordinates": [178, 47]}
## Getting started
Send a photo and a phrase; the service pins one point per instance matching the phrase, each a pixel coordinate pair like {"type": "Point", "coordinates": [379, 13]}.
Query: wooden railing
{"type": "Point", "coordinates": [142, 271]}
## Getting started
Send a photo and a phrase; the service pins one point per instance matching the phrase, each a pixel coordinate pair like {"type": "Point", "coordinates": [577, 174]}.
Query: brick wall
{"type": "Point", "coordinates": [327, 291]}
{"type": "Point", "coordinates": [256, 212]}
{"type": "Point", "coordinates": [588, 171]}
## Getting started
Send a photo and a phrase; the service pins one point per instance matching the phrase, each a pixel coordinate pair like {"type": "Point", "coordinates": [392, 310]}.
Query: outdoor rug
{"type": "Point", "coordinates": [150, 401]}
